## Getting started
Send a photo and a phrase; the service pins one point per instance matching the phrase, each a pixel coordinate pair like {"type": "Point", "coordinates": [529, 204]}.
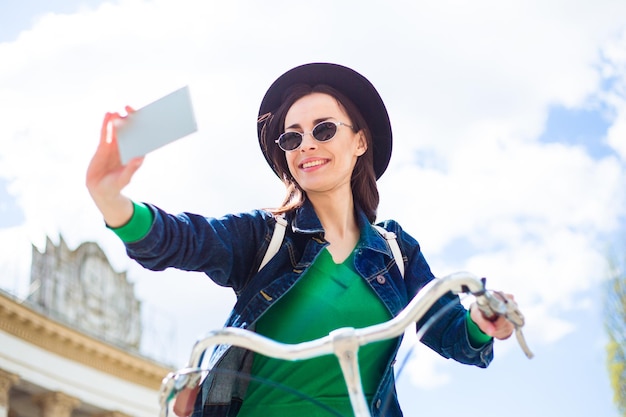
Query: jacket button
{"type": "Point", "coordinates": [381, 279]}
{"type": "Point", "coordinates": [378, 402]}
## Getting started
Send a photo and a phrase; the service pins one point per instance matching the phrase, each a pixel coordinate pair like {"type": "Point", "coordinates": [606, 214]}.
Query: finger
{"type": "Point", "coordinates": [129, 109]}
{"type": "Point", "coordinates": [107, 152]}
{"type": "Point", "coordinates": [131, 167]}
{"type": "Point", "coordinates": [105, 128]}
{"type": "Point", "coordinates": [112, 130]}
{"type": "Point", "coordinates": [503, 329]}
{"type": "Point", "coordinates": [503, 335]}
{"type": "Point", "coordinates": [488, 328]}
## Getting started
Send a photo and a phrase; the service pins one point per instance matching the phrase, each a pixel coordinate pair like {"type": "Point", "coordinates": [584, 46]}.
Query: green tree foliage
{"type": "Point", "coordinates": [615, 318]}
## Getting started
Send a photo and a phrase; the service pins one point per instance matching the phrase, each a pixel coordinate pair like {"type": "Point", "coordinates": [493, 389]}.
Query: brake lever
{"type": "Point", "coordinates": [494, 304]}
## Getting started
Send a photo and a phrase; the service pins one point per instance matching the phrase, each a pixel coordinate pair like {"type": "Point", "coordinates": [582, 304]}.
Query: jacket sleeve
{"type": "Point", "coordinates": [227, 249]}
{"type": "Point", "coordinates": [447, 334]}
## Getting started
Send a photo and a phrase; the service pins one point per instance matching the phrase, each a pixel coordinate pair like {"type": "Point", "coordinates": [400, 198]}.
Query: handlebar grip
{"type": "Point", "coordinates": [490, 306]}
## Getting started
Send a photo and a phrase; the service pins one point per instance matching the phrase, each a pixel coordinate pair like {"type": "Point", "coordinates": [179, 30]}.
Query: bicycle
{"type": "Point", "coordinates": [345, 342]}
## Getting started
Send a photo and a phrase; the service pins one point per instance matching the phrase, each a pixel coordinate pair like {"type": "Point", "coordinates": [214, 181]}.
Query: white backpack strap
{"type": "Point", "coordinates": [393, 244]}
{"type": "Point", "coordinates": [276, 241]}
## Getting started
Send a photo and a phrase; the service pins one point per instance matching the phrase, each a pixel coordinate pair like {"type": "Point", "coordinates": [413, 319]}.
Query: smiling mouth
{"type": "Point", "coordinates": [312, 164]}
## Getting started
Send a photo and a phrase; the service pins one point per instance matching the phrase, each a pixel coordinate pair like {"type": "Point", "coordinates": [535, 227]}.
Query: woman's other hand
{"type": "Point", "coordinates": [500, 328]}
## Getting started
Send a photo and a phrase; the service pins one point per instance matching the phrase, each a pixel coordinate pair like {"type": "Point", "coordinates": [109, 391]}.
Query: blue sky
{"type": "Point", "coordinates": [509, 157]}
{"type": "Point", "coordinates": [579, 127]}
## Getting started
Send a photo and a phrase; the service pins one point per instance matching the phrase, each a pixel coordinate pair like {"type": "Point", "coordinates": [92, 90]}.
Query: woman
{"type": "Point", "coordinates": [325, 132]}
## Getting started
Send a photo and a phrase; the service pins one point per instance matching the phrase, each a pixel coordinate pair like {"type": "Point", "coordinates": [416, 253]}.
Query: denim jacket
{"type": "Point", "coordinates": [230, 249]}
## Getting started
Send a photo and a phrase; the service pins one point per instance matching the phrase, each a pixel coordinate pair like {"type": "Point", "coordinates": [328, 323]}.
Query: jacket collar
{"type": "Point", "coordinates": [304, 220]}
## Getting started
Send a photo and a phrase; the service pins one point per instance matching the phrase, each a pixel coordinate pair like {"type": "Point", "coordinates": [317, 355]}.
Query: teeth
{"type": "Point", "coordinates": [312, 164]}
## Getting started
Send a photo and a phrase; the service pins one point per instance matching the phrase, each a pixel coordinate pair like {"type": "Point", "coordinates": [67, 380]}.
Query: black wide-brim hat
{"type": "Point", "coordinates": [354, 86]}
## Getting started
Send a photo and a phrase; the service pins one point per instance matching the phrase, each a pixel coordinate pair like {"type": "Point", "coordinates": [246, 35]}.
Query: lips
{"type": "Point", "coordinates": [313, 163]}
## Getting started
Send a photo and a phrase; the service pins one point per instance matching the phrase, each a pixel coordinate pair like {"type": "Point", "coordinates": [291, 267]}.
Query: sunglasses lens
{"type": "Point", "coordinates": [289, 141]}
{"type": "Point", "coordinates": [324, 131]}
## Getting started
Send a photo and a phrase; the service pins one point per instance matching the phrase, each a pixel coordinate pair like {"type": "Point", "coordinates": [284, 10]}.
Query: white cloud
{"type": "Point", "coordinates": [614, 70]}
{"type": "Point", "coordinates": [421, 367]}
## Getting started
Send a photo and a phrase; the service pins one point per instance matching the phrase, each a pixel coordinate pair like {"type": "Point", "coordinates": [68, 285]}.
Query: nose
{"type": "Point", "coordinates": [308, 141]}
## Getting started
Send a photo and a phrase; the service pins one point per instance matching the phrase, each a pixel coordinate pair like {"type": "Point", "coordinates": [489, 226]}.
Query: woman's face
{"type": "Point", "coordinates": [320, 167]}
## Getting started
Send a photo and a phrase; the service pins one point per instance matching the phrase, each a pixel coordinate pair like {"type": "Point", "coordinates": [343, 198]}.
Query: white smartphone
{"type": "Point", "coordinates": [163, 121]}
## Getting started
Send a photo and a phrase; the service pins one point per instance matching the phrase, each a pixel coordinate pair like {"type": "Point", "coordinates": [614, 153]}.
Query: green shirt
{"type": "Point", "coordinates": [329, 296]}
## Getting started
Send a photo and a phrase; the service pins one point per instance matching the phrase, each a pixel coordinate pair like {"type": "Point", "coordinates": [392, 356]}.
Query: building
{"type": "Point", "coordinates": [71, 349]}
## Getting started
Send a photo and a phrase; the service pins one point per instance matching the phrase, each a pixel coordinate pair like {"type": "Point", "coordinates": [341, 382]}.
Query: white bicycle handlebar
{"type": "Point", "coordinates": [345, 342]}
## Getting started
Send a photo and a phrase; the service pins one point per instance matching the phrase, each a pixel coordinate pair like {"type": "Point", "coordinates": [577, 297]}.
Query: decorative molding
{"type": "Point", "coordinates": [7, 380]}
{"type": "Point", "coordinates": [111, 414]}
{"type": "Point", "coordinates": [39, 330]}
{"type": "Point", "coordinates": [56, 404]}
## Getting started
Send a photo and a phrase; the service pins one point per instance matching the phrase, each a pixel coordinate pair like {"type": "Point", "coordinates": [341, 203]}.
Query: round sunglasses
{"type": "Point", "coordinates": [322, 132]}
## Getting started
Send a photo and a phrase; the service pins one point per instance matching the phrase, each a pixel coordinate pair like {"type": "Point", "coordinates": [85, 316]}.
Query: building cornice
{"type": "Point", "coordinates": [24, 323]}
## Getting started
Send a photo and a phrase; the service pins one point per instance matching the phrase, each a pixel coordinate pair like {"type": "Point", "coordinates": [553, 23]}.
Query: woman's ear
{"type": "Point", "coordinates": [362, 145]}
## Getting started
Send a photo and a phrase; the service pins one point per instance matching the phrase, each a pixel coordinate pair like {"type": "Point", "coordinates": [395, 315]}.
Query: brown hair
{"type": "Point", "coordinates": [363, 182]}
